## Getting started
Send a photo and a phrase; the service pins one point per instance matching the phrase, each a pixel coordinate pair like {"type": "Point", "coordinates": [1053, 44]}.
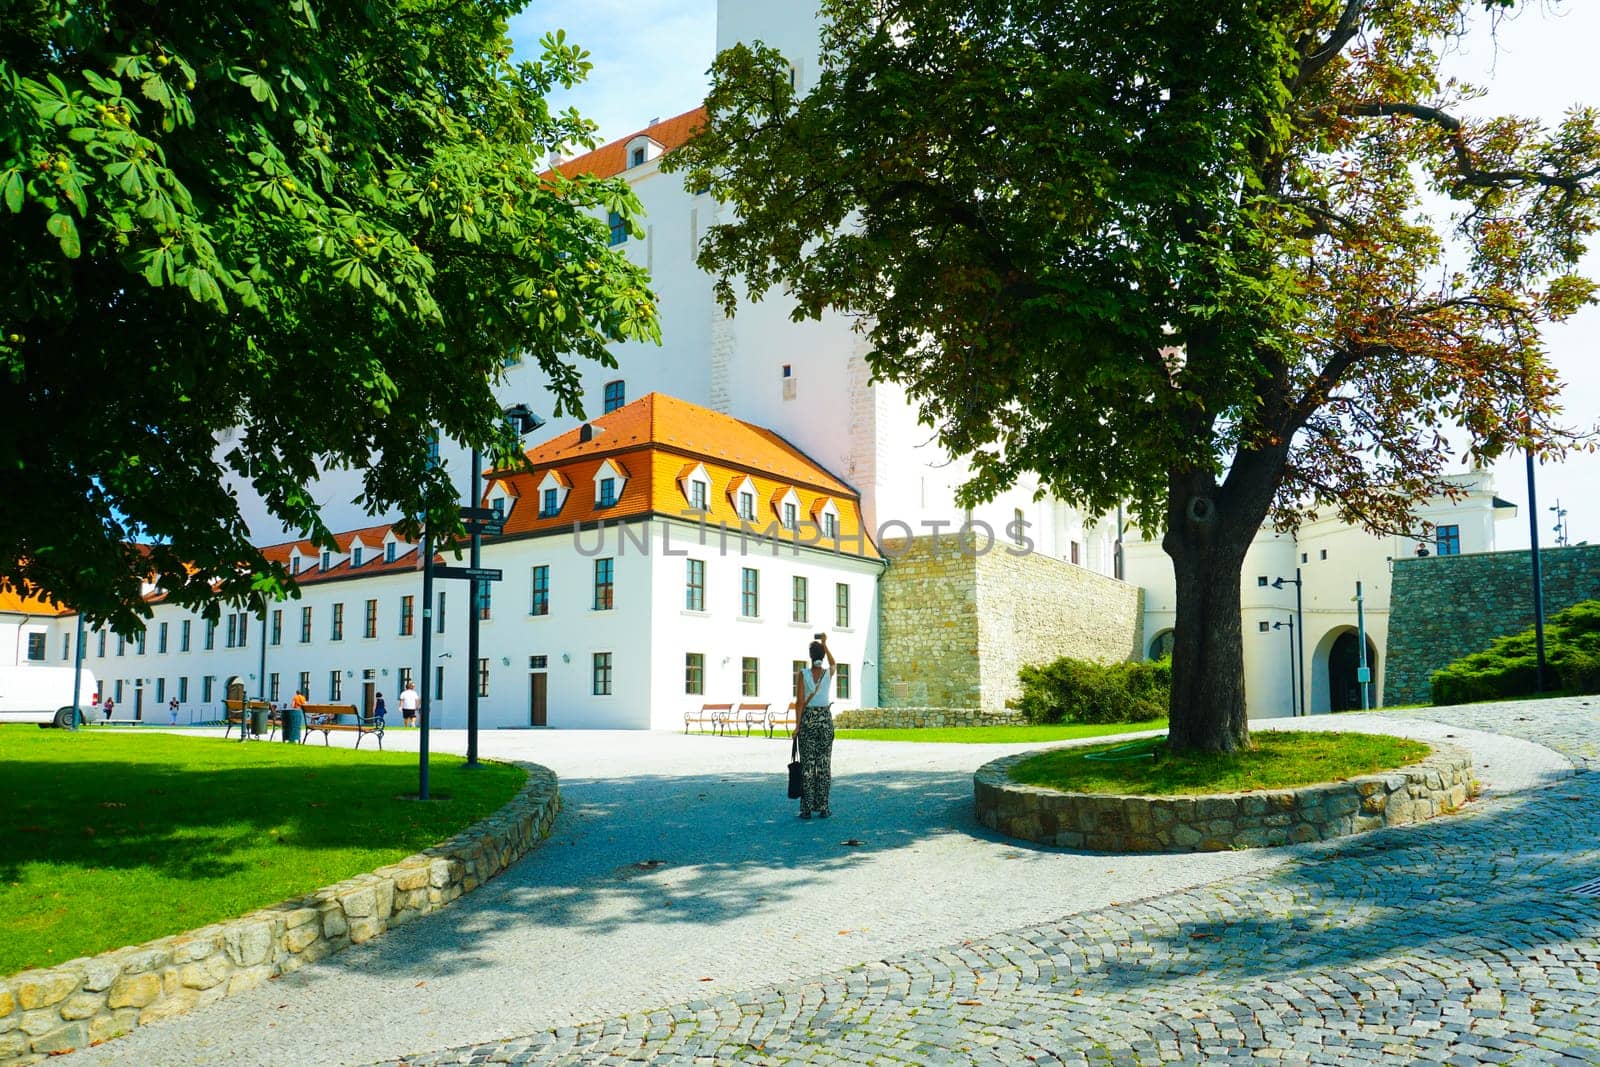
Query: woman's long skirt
{"type": "Point", "coordinates": [816, 759]}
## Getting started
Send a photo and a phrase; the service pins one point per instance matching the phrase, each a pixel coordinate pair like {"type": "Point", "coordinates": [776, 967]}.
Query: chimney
{"type": "Point", "coordinates": [651, 123]}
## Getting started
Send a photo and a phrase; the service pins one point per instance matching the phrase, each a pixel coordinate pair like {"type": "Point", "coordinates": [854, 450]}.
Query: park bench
{"type": "Point", "coordinates": [709, 714]}
{"type": "Point", "coordinates": [751, 715]}
{"type": "Point", "coordinates": [237, 712]}
{"type": "Point", "coordinates": [325, 717]}
{"type": "Point", "coordinates": [789, 720]}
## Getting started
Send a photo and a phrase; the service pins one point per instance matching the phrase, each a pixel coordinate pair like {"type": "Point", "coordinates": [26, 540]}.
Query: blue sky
{"type": "Point", "coordinates": [651, 56]}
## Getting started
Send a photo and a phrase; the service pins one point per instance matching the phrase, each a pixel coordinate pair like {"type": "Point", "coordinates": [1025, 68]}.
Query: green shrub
{"type": "Point", "coordinates": [1508, 667]}
{"type": "Point", "coordinates": [1077, 690]}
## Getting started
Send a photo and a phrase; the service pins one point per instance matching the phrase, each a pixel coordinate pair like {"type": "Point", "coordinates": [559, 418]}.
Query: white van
{"type": "Point", "coordinates": [43, 694]}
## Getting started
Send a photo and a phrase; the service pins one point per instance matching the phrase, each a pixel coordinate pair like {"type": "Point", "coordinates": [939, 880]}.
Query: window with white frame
{"type": "Point", "coordinates": [841, 606]}
{"type": "Point", "coordinates": [749, 593]}
{"type": "Point", "coordinates": [389, 552]}
{"type": "Point", "coordinates": [841, 678]}
{"type": "Point", "coordinates": [36, 642]}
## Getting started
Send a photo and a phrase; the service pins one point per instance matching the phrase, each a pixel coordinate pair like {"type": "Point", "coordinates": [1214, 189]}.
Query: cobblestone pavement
{"type": "Point", "coordinates": [1454, 939]}
{"type": "Point", "coordinates": [1457, 942]}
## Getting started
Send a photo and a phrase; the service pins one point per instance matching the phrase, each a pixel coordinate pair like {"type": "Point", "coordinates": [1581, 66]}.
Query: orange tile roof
{"type": "Point", "coordinates": [612, 159]}
{"type": "Point", "coordinates": [662, 439]}
{"type": "Point", "coordinates": [30, 603]}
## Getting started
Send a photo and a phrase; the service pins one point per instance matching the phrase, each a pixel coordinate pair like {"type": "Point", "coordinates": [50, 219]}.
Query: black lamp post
{"type": "Point", "coordinates": [1290, 625]}
{"type": "Point", "coordinates": [1538, 579]}
{"type": "Point", "coordinates": [1300, 619]}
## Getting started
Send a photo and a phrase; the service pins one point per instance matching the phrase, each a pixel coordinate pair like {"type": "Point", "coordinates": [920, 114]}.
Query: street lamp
{"type": "Point", "coordinates": [1290, 625]}
{"type": "Point", "coordinates": [1363, 670]}
{"type": "Point", "coordinates": [1563, 539]}
{"type": "Point", "coordinates": [1300, 619]}
{"type": "Point", "coordinates": [1538, 578]}
{"type": "Point", "coordinates": [523, 422]}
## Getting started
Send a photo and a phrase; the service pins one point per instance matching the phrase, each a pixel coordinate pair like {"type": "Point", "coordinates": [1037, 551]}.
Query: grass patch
{"type": "Point", "coordinates": [1002, 735]}
{"type": "Point", "coordinates": [113, 838]}
{"type": "Point", "coordinates": [1279, 760]}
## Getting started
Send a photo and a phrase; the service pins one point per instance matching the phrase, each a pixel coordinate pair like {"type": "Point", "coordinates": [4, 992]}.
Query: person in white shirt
{"type": "Point", "coordinates": [814, 735]}
{"type": "Point", "coordinates": [410, 702]}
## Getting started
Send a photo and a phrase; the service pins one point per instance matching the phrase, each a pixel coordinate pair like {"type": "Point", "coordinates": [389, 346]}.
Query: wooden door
{"type": "Point", "coordinates": [538, 684]}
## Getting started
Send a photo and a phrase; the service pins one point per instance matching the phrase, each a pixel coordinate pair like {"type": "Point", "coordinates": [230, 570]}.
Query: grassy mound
{"type": "Point", "coordinates": [1278, 760]}
{"type": "Point", "coordinates": [1000, 735]}
{"type": "Point", "coordinates": [113, 838]}
{"type": "Point", "coordinates": [1507, 667]}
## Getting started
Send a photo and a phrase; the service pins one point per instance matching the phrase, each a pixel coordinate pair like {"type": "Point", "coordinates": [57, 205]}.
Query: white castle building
{"type": "Point", "coordinates": [624, 602]}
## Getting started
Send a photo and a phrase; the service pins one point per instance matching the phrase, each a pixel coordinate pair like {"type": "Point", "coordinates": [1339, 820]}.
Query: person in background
{"type": "Point", "coordinates": [814, 734]}
{"type": "Point", "coordinates": [410, 702]}
{"type": "Point", "coordinates": [110, 705]}
{"type": "Point", "coordinates": [172, 710]}
{"type": "Point", "coordinates": [379, 709]}
{"type": "Point", "coordinates": [299, 701]}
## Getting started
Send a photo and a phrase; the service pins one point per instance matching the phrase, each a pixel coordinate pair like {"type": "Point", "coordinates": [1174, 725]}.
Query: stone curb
{"type": "Point", "coordinates": [920, 718]}
{"type": "Point", "coordinates": [94, 998]}
{"type": "Point", "coordinates": [1098, 822]}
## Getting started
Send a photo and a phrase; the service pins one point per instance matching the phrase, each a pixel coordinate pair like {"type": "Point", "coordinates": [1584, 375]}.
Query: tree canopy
{"type": "Point", "coordinates": [270, 237]}
{"type": "Point", "coordinates": [1187, 256]}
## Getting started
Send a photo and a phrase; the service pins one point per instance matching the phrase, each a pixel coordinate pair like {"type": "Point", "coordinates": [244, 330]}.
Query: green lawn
{"type": "Point", "coordinates": [1279, 760]}
{"type": "Point", "coordinates": [113, 838]}
{"type": "Point", "coordinates": [1001, 735]}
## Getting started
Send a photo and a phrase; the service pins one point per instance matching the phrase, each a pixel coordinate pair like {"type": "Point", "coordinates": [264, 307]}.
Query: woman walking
{"type": "Point", "coordinates": [814, 735]}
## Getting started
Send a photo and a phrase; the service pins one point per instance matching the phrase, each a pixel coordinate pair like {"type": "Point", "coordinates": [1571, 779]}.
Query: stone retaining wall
{"type": "Point", "coordinates": [97, 997]}
{"type": "Point", "coordinates": [1110, 823]}
{"type": "Point", "coordinates": [919, 718]}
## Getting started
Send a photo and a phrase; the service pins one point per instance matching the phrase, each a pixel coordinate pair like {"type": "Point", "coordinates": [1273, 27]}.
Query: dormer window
{"type": "Point", "coordinates": [327, 558]}
{"type": "Point", "coordinates": [388, 552]}
{"type": "Point", "coordinates": [747, 507]}
{"type": "Point", "coordinates": [830, 526]}
{"type": "Point", "coordinates": [498, 506]}
{"type": "Point", "coordinates": [294, 564]}
{"type": "Point", "coordinates": [355, 556]}
{"type": "Point", "coordinates": [786, 504]}
{"type": "Point", "coordinates": [641, 149]}
{"type": "Point", "coordinates": [697, 495]}
{"type": "Point", "coordinates": [825, 513]}
{"type": "Point", "coordinates": [609, 482]}
{"type": "Point", "coordinates": [553, 490]}
{"type": "Point", "coordinates": [636, 159]}
{"type": "Point", "coordinates": [695, 484]}
{"type": "Point", "coordinates": [791, 516]}
{"type": "Point", "coordinates": [608, 492]}
{"type": "Point", "coordinates": [742, 495]}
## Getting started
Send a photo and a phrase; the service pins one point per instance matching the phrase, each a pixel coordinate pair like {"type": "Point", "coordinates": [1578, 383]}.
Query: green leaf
{"type": "Point", "coordinates": [65, 230]}
{"type": "Point", "coordinates": [13, 190]}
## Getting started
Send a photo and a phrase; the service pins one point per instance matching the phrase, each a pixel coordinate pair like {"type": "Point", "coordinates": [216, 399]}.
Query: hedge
{"type": "Point", "coordinates": [1077, 690]}
{"type": "Point", "coordinates": [1508, 667]}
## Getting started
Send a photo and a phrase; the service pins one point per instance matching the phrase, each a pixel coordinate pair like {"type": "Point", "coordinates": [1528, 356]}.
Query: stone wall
{"type": "Point", "coordinates": [1108, 823]}
{"type": "Point", "coordinates": [1446, 607]}
{"type": "Point", "coordinates": [921, 718]}
{"type": "Point", "coordinates": [94, 998]}
{"type": "Point", "coordinates": [956, 624]}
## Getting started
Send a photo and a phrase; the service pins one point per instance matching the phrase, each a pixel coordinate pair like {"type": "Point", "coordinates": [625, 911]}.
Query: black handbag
{"type": "Point", "coordinates": [794, 765]}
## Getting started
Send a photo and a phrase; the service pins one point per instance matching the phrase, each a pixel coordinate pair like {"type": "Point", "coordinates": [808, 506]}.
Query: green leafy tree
{"type": "Point", "coordinates": [265, 237]}
{"type": "Point", "coordinates": [1168, 253]}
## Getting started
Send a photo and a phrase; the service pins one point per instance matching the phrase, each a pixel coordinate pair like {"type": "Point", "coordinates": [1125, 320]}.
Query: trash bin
{"type": "Point", "coordinates": [294, 723]}
{"type": "Point", "coordinates": [258, 721]}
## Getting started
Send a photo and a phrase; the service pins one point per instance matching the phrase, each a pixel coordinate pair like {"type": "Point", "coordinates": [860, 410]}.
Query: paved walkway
{"type": "Point", "coordinates": [1457, 941]}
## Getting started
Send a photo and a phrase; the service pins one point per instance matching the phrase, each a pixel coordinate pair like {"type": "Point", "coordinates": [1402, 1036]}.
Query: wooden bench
{"type": "Point", "coordinates": [751, 715]}
{"type": "Point", "coordinates": [325, 717]}
{"type": "Point", "coordinates": [236, 713]}
{"type": "Point", "coordinates": [713, 715]}
{"type": "Point", "coordinates": [789, 720]}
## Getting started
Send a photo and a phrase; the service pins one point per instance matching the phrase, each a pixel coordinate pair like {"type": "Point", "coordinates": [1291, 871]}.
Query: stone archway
{"type": "Point", "coordinates": [1160, 645]}
{"type": "Point", "coordinates": [1343, 661]}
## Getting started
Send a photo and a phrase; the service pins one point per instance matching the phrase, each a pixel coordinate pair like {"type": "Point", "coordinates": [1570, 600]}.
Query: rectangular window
{"type": "Point", "coordinates": [749, 593]}
{"type": "Point", "coordinates": [796, 668]}
{"type": "Point", "coordinates": [541, 591]}
{"type": "Point", "coordinates": [101, 643]}
{"type": "Point", "coordinates": [161, 638]}
{"type": "Point", "coordinates": [538, 663]}
{"type": "Point", "coordinates": [549, 507]}
{"type": "Point", "coordinates": [407, 615]}
{"type": "Point", "coordinates": [750, 676]}
{"type": "Point", "coordinates": [183, 636]}
{"type": "Point", "coordinates": [1261, 580]}
{"type": "Point", "coordinates": [66, 646]}
{"type": "Point", "coordinates": [327, 558]}
{"type": "Point", "coordinates": [389, 552]}
{"type": "Point", "coordinates": [608, 492]}
{"type": "Point", "coordinates": [841, 606]}
{"type": "Point", "coordinates": [206, 688]}
{"type": "Point", "coordinates": [604, 570]}
{"type": "Point", "coordinates": [211, 634]}
{"type": "Point", "coordinates": [1075, 557]}
{"type": "Point", "coordinates": [694, 673]}
{"type": "Point", "coordinates": [697, 495]}
{"type": "Point", "coordinates": [841, 679]}
{"type": "Point", "coordinates": [335, 685]}
{"type": "Point", "coordinates": [619, 230]}
{"type": "Point", "coordinates": [305, 684]}
{"type": "Point", "coordinates": [791, 516]}
{"type": "Point", "coordinates": [119, 691]}
{"type": "Point", "coordinates": [483, 676]}
{"type": "Point", "coordinates": [274, 687]}
{"type": "Point", "coordinates": [305, 626]}
{"type": "Point", "coordinates": [36, 646]}
{"type": "Point", "coordinates": [616, 395]}
{"type": "Point", "coordinates": [138, 640]}
{"type": "Point", "coordinates": [800, 610]}
{"type": "Point", "coordinates": [485, 592]}
{"type": "Point", "coordinates": [694, 585]}
{"type": "Point", "coordinates": [438, 682]}
{"type": "Point", "coordinates": [277, 626]}
{"type": "Point", "coordinates": [830, 525]}
{"type": "Point", "coordinates": [1449, 540]}
{"type": "Point", "coordinates": [294, 565]}
{"type": "Point", "coordinates": [370, 625]}
{"type": "Point", "coordinates": [405, 678]}
{"type": "Point", "coordinates": [336, 632]}
{"type": "Point", "coordinates": [356, 555]}
{"type": "Point", "coordinates": [233, 631]}
{"type": "Point", "coordinates": [183, 690]}
{"type": "Point", "coordinates": [122, 645]}
{"type": "Point", "coordinates": [439, 626]}
{"type": "Point", "coordinates": [602, 674]}
{"type": "Point", "coordinates": [244, 622]}
{"type": "Point", "coordinates": [747, 507]}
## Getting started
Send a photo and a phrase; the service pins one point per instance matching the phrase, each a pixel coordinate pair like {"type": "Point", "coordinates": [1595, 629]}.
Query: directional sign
{"type": "Point", "coordinates": [487, 529]}
{"type": "Point", "coordinates": [483, 514]}
{"type": "Point", "coordinates": [482, 574]}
